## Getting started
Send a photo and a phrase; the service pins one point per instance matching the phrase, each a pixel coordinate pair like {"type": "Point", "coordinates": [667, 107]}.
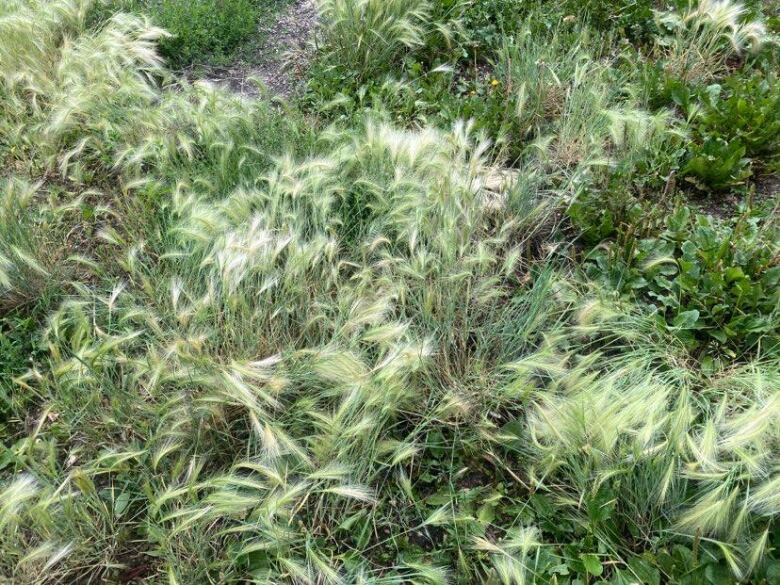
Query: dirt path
{"type": "Point", "coordinates": [280, 59]}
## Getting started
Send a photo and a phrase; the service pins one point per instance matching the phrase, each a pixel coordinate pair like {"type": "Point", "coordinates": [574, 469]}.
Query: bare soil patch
{"type": "Point", "coordinates": [280, 60]}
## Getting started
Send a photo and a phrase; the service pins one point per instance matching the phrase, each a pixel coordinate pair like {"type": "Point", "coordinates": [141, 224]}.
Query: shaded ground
{"type": "Point", "coordinates": [768, 191]}
{"type": "Point", "coordinates": [726, 205]}
{"type": "Point", "coordinates": [278, 61]}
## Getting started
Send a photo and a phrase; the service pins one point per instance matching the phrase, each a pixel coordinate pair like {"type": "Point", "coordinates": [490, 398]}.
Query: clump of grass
{"type": "Point", "coordinates": [573, 112]}
{"type": "Point", "coordinates": [702, 39]}
{"type": "Point", "coordinates": [331, 262]}
{"type": "Point", "coordinates": [366, 38]}
{"type": "Point", "coordinates": [19, 267]}
{"type": "Point", "coordinates": [70, 89]}
{"type": "Point", "coordinates": [639, 445]}
{"type": "Point", "coordinates": [38, 258]}
{"type": "Point", "coordinates": [90, 122]}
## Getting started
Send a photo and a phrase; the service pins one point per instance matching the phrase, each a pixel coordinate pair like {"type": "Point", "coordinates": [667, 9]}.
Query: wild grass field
{"type": "Point", "coordinates": [493, 297]}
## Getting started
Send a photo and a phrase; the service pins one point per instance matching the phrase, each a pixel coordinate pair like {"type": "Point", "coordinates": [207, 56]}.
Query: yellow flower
{"type": "Point", "coordinates": [494, 82]}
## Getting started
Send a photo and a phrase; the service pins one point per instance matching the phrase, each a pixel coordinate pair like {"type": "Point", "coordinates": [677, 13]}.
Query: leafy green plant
{"type": "Point", "coordinates": [600, 212]}
{"type": "Point", "coordinates": [743, 110]}
{"type": "Point", "coordinates": [711, 284]}
{"type": "Point", "coordinates": [631, 18]}
{"type": "Point", "coordinates": [731, 125]}
{"type": "Point", "coordinates": [717, 164]}
{"type": "Point", "coordinates": [201, 30]}
{"type": "Point", "coordinates": [489, 22]}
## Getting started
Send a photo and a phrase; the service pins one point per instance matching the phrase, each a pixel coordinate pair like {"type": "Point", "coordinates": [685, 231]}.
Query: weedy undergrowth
{"type": "Point", "coordinates": [356, 355]}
